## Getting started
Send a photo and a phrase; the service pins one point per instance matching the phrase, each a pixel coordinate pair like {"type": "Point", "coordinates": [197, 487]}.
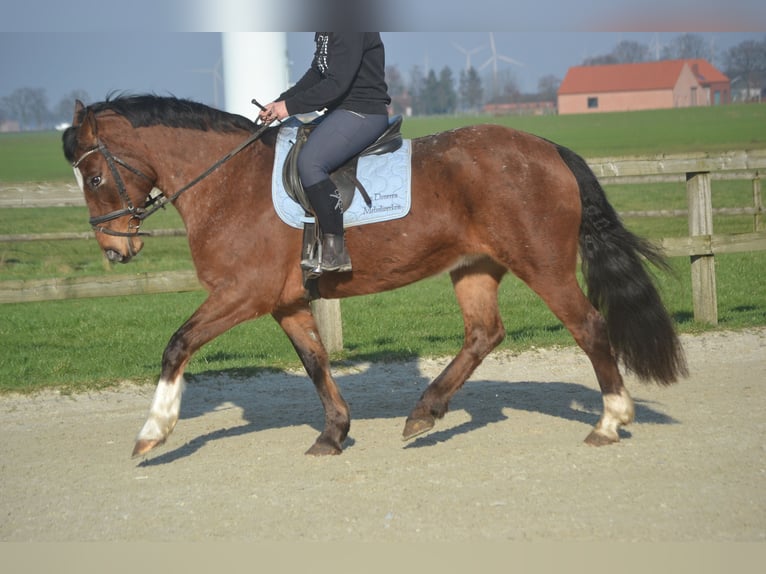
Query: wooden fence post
{"type": "Point", "coordinates": [698, 195]}
{"type": "Point", "coordinates": [327, 315]}
{"type": "Point", "coordinates": [757, 204]}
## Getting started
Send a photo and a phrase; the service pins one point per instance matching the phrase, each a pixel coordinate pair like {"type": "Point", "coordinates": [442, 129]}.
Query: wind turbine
{"type": "Point", "coordinates": [468, 53]}
{"type": "Point", "coordinates": [656, 46]}
{"type": "Point", "coordinates": [712, 48]}
{"type": "Point", "coordinates": [215, 72]}
{"type": "Point", "coordinates": [494, 59]}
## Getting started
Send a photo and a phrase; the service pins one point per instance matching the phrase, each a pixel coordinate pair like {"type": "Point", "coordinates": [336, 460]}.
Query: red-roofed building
{"type": "Point", "coordinates": [642, 86]}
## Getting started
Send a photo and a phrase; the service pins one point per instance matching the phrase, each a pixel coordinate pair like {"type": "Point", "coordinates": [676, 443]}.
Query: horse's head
{"type": "Point", "coordinates": [115, 181]}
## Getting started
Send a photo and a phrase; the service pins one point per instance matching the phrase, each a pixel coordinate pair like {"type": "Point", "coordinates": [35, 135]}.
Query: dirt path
{"type": "Point", "coordinates": [507, 462]}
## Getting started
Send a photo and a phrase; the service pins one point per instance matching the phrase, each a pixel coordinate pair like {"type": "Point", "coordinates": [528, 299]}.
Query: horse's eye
{"type": "Point", "coordinates": [95, 181]}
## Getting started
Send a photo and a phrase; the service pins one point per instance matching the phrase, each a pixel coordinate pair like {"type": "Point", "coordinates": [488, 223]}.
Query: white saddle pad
{"type": "Point", "coordinates": [385, 177]}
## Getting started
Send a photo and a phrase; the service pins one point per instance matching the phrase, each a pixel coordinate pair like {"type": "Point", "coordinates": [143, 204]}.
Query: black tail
{"type": "Point", "coordinates": [619, 286]}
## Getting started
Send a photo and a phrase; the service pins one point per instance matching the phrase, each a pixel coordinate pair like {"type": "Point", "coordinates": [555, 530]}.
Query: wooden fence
{"type": "Point", "coordinates": [702, 244]}
{"type": "Point", "coordinates": [697, 170]}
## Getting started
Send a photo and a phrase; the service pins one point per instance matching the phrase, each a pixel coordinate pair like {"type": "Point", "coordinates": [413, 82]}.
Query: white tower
{"type": "Point", "coordinates": [254, 66]}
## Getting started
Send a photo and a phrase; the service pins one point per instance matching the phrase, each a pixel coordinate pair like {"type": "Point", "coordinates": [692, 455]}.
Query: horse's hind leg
{"type": "Point", "coordinates": [302, 330]}
{"type": "Point", "coordinates": [567, 301]}
{"type": "Point", "coordinates": [476, 289]}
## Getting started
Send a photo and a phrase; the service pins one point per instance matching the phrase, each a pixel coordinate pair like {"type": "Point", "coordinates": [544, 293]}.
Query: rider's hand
{"type": "Point", "coordinates": [273, 111]}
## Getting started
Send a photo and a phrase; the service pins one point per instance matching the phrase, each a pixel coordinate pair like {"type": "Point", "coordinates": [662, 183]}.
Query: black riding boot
{"type": "Point", "coordinates": [328, 209]}
{"type": "Point", "coordinates": [334, 254]}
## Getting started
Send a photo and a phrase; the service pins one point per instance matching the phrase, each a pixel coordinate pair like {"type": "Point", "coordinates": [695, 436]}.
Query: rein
{"type": "Point", "coordinates": [154, 203]}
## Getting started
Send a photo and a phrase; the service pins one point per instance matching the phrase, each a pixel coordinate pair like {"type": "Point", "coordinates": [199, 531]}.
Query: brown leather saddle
{"type": "Point", "coordinates": [345, 176]}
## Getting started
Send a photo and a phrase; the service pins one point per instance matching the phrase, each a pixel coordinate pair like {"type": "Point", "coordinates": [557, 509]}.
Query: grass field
{"type": "Point", "coordinates": [634, 133]}
{"type": "Point", "coordinates": [37, 156]}
{"type": "Point", "coordinates": [32, 157]}
{"type": "Point", "coordinates": [84, 344]}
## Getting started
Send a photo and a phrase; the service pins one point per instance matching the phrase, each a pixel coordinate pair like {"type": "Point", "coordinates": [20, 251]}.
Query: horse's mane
{"type": "Point", "coordinates": [151, 110]}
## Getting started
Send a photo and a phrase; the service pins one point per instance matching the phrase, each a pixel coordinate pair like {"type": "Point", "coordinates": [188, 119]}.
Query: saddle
{"type": "Point", "coordinates": [346, 182]}
{"type": "Point", "coordinates": [344, 177]}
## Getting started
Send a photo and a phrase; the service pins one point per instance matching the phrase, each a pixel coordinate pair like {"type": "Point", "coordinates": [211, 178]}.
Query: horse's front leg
{"type": "Point", "coordinates": [302, 330]}
{"type": "Point", "coordinates": [216, 315]}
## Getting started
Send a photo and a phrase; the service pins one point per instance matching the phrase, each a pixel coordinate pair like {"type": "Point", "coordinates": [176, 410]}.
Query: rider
{"type": "Point", "coordinates": [347, 78]}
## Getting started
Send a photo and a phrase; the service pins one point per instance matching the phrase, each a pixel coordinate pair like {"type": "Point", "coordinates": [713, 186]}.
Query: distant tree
{"type": "Point", "coordinates": [417, 89]}
{"type": "Point", "coordinates": [64, 110]}
{"type": "Point", "coordinates": [470, 91]}
{"type": "Point", "coordinates": [429, 94]}
{"type": "Point", "coordinates": [503, 88]}
{"type": "Point", "coordinates": [548, 88]}
{"type": "Point", "coordinates": [685, 46]}
{"type": "Point", "coordinates": [688, 46]}
{"type": "Point", "coordinates": [29, 106]}
{"type": "Point", "coordinates": [397, 90]}
{"type": "Point", "coordinates": [510, 91]}
{"type": "Point", "coordinates": [600, 60]}
{"type": "Point", "coordinates": [438, 94]}
{"type": "Point", "coordinates": [446, 97]}
{"type": "Point", "coordinates": [627, 52]}
{"type": "Point", "coordinates": [746, 63]}
{"type": "Point", "coordinates": [510, 88]}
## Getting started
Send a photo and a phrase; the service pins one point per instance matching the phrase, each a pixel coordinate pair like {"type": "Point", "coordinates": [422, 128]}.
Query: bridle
{"type": "Point", "coordinates": [136, 213]}
{"type": "Point", "coordinates": [154, 202]}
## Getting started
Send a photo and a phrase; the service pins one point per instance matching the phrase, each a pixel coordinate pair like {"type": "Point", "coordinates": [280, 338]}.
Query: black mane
{"type": "Point", "coordinates": [151, 110]}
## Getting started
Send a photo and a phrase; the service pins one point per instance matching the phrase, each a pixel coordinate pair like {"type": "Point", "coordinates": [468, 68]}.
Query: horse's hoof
{"type": "Point", "coordinates": [599, 438]}
{"type": "Point", "coordinates": [415, 427]}
{"type": "Point", "coordinates": [323, 449]}
{"type": "Point", "coordinates": [143, 446]}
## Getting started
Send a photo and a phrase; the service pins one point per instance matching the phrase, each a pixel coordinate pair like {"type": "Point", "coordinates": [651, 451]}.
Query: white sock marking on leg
{"type": "Point", "coordinates": [164, 411]}
{"type": "Point", "coordinates": [618, 411]}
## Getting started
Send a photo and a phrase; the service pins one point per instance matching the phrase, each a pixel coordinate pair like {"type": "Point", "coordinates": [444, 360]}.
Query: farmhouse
{"type": "Point", "coordinates": [642, 86]}
{"type": "Point", "coordinates": [8, 126]}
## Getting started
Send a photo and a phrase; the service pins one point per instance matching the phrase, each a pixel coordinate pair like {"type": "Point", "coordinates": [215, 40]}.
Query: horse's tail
{"type": "Point", "coordinates": [640, 330]}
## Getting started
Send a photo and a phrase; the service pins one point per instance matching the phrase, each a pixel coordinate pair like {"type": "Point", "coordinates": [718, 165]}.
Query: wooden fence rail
{"type": "Point", "coordinates": [21, 237]}
{"type": "Point", "coordinates": [27, 291]}
{"type": "Point", "coordinates": [698, 170]}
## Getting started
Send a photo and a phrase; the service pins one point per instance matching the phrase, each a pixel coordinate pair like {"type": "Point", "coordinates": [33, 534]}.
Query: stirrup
{"type": "Point", "coordinates": [311, 250]}
{"type": "Point", "coordinates": [333, 255]}
{"type": "Point", "coordinates": [311, 262]}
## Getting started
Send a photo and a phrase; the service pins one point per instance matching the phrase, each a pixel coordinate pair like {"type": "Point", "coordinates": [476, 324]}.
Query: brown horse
{"type": "Point", "coordinates": [486, 200]}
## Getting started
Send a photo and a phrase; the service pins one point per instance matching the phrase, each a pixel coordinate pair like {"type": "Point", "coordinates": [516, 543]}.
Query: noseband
{"type": "Point", "coordinates": [153, 203]}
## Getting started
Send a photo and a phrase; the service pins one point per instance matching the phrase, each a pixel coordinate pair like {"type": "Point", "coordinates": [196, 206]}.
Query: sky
{"type": "Point", "coordinates": [104, 46]}
{"type": "Point", "coordinates": [183, 64]}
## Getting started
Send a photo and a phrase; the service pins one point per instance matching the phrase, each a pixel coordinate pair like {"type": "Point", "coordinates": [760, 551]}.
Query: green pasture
{"type": "Point", "coordinates": [32, 157]}
{"type": "Point", "coordinates": [85, 344]}
{"type": "Point", "coordinates": [652, 132]}
{"type": "Point", "coordinates": [37, 156]}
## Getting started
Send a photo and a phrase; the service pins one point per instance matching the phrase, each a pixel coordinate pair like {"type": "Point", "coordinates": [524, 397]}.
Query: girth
{"type": "Point", "coordinates": [344, 177]}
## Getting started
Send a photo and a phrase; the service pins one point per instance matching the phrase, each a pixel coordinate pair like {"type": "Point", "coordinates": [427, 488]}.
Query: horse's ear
{"type": "Point", "coordinates": [78, 108]}
{"type": "Point", "coordinates": [87, 130]}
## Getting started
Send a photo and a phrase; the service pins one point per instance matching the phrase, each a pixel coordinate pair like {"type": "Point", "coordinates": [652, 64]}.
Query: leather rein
{"type": "Point", "coordinates": [153, 203]}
